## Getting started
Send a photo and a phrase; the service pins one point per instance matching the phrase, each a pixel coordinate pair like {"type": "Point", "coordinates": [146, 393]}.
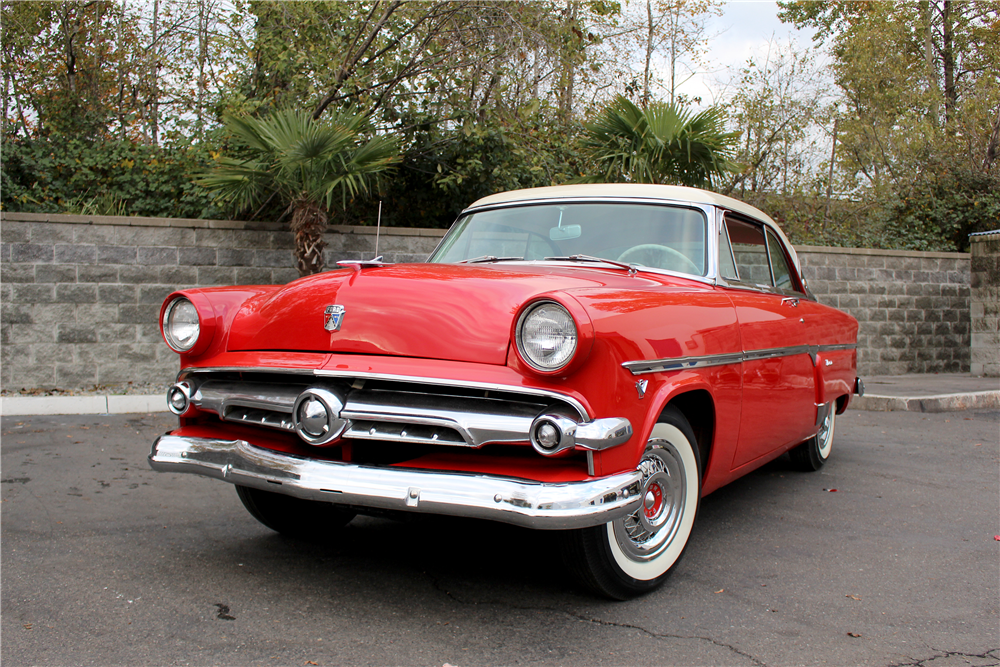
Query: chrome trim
{"type": "Point", "coordinates": [681, 363]}
{"type": "Point", "coordinates": [833, 348]}
{"type": "Point", "coordinates": [545, 505]}
{"type": "Point", "coordinates": [602, 434]}
{"type": "Point", "coordinates": [334, 421]}
{"type": "Point", "coordinates": [468, 416]}
{"type": "Point", "coordinates": [185, 389]}
{"type": "Point", "coordinates": [859, 386]}
{"type": "Point", "coordinates": [566, 428]}
{"type": "Point", "coordinates": [775, 352]}
{"type": "Point", "coordinates": [643, 366]}
{"type": "Point", "coordinates": [486, 386]}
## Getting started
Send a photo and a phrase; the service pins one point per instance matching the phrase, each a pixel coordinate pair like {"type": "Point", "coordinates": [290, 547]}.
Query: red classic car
{"type": "Point", "coordinates": [591, 359]}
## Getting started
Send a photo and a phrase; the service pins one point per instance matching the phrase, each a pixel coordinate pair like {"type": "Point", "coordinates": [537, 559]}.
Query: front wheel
{"type": "Point", "coordinates": [311, 520]}
{"type": "Point", "coordinates": [812, 454]}
{"type": "Point", "coordinates": [633, 555]}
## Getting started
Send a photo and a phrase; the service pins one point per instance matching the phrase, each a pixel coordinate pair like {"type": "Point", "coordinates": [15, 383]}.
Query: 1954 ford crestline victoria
{"type": "Point", "coordinates": [592, 359]}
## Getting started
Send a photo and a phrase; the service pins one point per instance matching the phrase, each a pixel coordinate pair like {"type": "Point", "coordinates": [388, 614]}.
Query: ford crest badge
{"type": "Point", "coordinates": [334, 318]}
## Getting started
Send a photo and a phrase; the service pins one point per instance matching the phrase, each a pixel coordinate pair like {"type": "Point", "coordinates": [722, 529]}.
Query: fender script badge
{"type": "Point", "coordinates": [334, 318]}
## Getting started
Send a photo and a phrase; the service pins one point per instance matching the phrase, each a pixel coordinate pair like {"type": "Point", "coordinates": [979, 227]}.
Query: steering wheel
{"type": "Point", "coordinates": [659, 256]}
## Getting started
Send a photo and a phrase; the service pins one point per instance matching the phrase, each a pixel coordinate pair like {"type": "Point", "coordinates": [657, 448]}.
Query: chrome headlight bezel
{"type": "Point", "coordinates": [175, 342]}
{"type": "Point", "coordinates": [570, 334]}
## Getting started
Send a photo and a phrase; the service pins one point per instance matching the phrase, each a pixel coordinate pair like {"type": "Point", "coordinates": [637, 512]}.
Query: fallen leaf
{"type": "Point", "coordinates": [310, 662]}
{"type": "Point", "coordinates": [853, 634]}
{"type": "Point", "coordinates": [854, 597]}
{"type": "Point", "coordinates": [27, 626]}
{"type": "Point", "coordinates": [720, 590]}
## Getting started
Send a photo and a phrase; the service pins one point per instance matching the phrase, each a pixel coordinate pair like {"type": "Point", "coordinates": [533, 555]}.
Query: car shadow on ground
{"type": "Point", "coordinates": [465, 560]}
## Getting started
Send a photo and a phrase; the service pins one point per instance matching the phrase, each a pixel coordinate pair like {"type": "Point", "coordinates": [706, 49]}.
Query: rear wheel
{"type": "Point", "coordinates": [311, 520]}
{"type": "Point", "coordinates": [812, 454]}
{"type": "Point", "coordinates": [633, 555]}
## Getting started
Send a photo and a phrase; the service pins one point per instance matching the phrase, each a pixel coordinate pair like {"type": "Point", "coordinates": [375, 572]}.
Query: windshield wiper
{"type": "Point", "coordinates": [588, 258]}
{"type": "Point", "coordinates": [489, 258]}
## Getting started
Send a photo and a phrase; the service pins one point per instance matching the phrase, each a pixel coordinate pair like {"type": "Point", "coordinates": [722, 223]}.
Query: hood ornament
{"type": "Point", "coordinates": [334, 317]}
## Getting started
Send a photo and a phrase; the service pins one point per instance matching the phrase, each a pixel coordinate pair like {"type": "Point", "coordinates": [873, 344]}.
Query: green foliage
{"type": "Point", "coordinates": [659, 144]}
{"type": "Point", "coordinates": [300, 159]}
{"type": "Point", "coordinates": [110, 178]}
{"type": "Point", "coordinates": [942, 209]}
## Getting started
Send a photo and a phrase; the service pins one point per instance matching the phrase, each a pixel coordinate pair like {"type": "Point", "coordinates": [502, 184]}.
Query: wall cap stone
{"type": "Point", "coordinates": [834, 250]}
{"type": "Point", "coordinates": [192, 223]}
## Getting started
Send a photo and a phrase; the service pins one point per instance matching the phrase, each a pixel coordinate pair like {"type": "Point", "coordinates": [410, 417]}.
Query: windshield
{"type": "Point", "coordinates": [649, 235]}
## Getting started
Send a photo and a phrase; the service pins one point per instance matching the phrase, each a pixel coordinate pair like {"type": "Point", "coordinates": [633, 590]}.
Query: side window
{"type": "Point", "coordinates": [779, 265]}
{"type": "Point", "coordinates": [727, 267]}
{"type": "Point", "coordinates": [750, 252]}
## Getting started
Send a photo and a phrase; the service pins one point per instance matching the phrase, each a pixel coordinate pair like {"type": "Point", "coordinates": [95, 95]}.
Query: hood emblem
{"type": "Point", "coordinates": [334, 317]}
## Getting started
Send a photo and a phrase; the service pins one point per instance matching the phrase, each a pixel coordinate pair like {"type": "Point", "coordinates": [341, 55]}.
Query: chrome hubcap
{"type": "Point", "coordinates": [824, 438]}
{"type": "Point", "coordinates": [645, 533]}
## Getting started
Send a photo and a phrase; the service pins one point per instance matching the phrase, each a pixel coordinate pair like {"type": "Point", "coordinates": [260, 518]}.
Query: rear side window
{"type": "Point", "coordinates": [750, 252]}
{"type": "Point", "coordinates": [757, 254]}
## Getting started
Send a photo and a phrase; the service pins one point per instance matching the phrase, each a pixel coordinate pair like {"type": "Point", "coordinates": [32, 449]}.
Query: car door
{"type": "Point", "coordinates": [778, 379]}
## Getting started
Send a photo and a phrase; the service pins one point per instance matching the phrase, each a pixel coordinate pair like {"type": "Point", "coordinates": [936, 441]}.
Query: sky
{"type": "Point", "coordinates": [744, 30]}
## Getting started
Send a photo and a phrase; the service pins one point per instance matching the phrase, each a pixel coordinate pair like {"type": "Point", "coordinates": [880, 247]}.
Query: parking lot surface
{"type": "Point", "coordinates": [887, 556]}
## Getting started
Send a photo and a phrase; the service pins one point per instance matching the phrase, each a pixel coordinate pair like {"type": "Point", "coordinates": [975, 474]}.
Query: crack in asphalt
{"type": "Point", "coordinates": [993, 653]}
{"type": "Point", "coordinates": [436, 583]}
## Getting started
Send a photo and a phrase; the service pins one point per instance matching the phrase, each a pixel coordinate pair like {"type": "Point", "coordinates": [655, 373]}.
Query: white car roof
{"type": "Point", "coordinates": [676, 193]}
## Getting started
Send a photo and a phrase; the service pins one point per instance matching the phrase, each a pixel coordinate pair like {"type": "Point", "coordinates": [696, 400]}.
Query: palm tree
{"type": "Point", "coordinates": [309, 164]}
{"type": "Point", "coordinates": [659, 144]}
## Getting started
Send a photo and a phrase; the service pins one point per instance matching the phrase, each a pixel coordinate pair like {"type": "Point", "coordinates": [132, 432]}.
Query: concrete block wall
{"type": "Point", "coordinates": [912, 307]}
{"type": "Point", "coordinates": [985, 304]}
{"type": "Point", "coordinates": [80, 295]}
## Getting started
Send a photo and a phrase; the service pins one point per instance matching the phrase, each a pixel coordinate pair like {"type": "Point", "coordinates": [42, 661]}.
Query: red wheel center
{"type": "Point", "coordinates": [651, 506]}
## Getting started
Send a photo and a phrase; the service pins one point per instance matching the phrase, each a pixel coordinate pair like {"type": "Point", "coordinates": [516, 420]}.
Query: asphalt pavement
{"type": "Point", "coordinates": [887, 556]}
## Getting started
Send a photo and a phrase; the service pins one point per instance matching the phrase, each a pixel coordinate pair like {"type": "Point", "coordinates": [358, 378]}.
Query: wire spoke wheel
{"type": "Point", "coordinates": [634, 554]}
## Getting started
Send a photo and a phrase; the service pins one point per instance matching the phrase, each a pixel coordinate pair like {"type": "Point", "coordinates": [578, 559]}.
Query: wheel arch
{"type": "Point", "coordinates": [698, 408]}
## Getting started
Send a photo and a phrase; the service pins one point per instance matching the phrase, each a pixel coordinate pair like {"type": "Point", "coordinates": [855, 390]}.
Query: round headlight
{"type": "Point", "coordinates": [546, 336]}
{"type": "Point", "coordinates": [180, 324]}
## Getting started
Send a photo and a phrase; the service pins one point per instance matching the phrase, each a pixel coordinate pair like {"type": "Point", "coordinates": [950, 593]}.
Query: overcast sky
{"type": "Point", "coordinates": [743, 31]}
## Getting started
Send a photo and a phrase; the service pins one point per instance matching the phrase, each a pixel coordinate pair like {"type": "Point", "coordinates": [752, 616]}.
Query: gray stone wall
{"type": "Point", "coordinates": [912, 307]}
{"type": "Point", "coordinates": [80, 295]}
{"type": "Point", "coordinates": [985, 304]}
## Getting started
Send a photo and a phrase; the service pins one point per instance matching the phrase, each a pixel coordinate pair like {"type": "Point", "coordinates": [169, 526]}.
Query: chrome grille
{"type": "Point", "coordinates": [383, 410]}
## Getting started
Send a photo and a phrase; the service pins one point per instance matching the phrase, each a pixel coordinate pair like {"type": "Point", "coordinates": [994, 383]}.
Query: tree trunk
{"type": "Point", "coordinates": [647, 73]}
{"type": "Point", "coordinates": [948, 61]}
{"type": "Point", "coordinates": [932, 80]}
{"type": "Point", "coordinates": [308, 224]}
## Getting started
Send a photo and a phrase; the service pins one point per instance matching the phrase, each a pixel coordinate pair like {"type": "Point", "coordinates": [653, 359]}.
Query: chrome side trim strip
{"type": "Point", "coordinates": [775, 352]}
{"type": "Point", "coordinates": [486, 386]}
{"type": "Point", "coordinates": [682, 363]}
{"type": "Point", "coordinates": [832, 348]}
{"type": "Point", "coordinates": [556, 506]}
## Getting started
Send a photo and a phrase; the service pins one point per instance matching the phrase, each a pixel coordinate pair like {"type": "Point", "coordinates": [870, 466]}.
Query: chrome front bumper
{"type": "Point", "coordinates": [540, 505]}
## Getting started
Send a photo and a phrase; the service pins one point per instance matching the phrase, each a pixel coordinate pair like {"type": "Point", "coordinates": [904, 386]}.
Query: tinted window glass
{"type": "Point", "coordinates": [750, 251]}
{"type": "Point", "coordinates": [779, 265]}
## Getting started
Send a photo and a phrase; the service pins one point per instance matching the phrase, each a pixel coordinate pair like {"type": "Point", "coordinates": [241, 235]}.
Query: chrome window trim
{"type": "Point", "coordinates": [486, 386]}
{"type": "Point", "coordinates": [643, 366]}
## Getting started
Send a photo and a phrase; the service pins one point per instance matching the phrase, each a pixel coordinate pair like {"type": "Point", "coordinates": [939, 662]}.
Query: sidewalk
{"type": "Point", "coordinates": [928, 392]}
{"type": "Point", "coordinates": [931, 392]}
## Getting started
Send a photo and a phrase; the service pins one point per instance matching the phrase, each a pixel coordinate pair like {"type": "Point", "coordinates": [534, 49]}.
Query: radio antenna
{"type": "Point", "coordinates": [378, 227]}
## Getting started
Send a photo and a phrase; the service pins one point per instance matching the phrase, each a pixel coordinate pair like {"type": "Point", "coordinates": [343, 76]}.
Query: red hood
{"type": "Point", "coordinates": [434, 311]}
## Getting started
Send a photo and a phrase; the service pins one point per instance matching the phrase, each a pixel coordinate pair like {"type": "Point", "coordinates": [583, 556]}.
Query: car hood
{"type": "Point", "coordinates": [435, 311]}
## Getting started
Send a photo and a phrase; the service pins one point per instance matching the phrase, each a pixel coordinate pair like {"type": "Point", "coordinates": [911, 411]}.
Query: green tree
{"type": "Point", "coordinates": [310, 165]}
{"type": "Point", "coordinates": [659, 144]}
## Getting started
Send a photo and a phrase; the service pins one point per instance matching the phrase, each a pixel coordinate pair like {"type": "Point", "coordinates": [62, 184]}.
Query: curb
{"type": "Point", "coordinates": [80, 405]}
{"type": "Point", "coordinates": [940, 403]}
{"type": "Point", "coordinates": [116, 405]}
